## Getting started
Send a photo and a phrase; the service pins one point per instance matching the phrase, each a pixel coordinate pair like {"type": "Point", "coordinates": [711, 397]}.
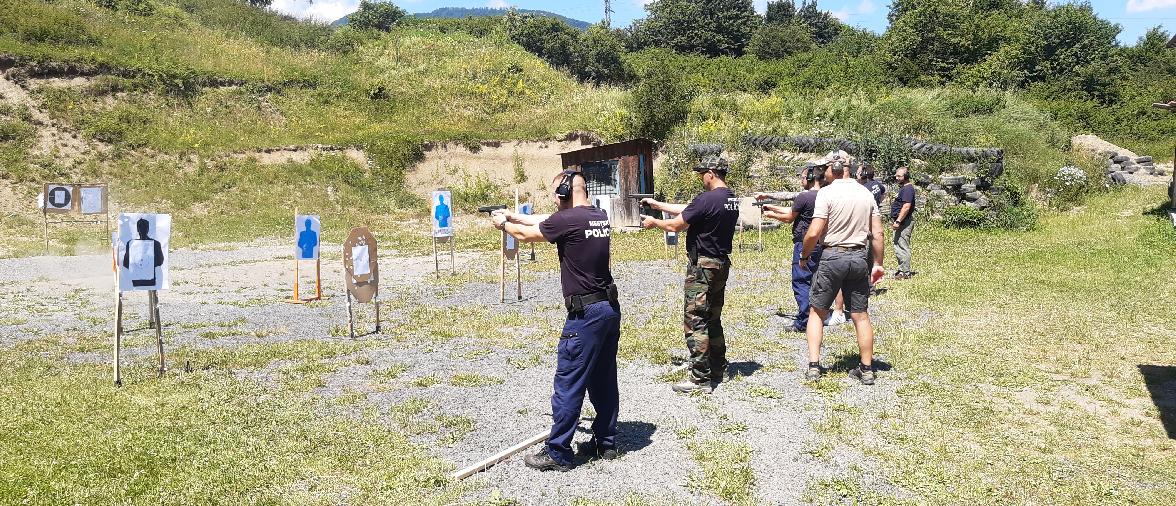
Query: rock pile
{"type": "Point", "coordinates": [1123, 164]}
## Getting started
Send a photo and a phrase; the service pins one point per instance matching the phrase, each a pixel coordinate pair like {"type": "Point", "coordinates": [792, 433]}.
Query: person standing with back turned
{"type": "Point", "coordinates": [711, 219]}
{"type": "Point", "coordinates": [587, 359]}
{"type": "Point", "coordinates": [845, 218]}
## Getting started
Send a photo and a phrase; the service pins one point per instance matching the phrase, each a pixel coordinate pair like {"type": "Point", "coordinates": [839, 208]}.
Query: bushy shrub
{"type": "Point", "coordinates": [964, 217]}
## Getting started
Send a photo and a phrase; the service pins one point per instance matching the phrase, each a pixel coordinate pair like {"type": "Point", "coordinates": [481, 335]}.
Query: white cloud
{"type": "Point", "coordinates": [322, 10]}
{"type": "Point", "coordinates": [1149, 5]}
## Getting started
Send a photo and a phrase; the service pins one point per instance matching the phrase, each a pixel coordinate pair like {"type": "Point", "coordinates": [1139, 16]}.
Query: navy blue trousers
{"type": "Point", "coordinates": [802, 281]}
{"type": "Point", "coordinates": [587, 363]}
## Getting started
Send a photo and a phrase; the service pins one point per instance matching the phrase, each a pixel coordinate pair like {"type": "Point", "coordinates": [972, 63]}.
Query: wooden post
{"type": "Point", "coordinates": [118, 331]}
{"type": "Point", "coordinates": [318, 278]}
{"type": "Point", "coordinates": [158, 329]}
{"type": "Point", "coordinates": [377, 303]}
{"type": "Point", "coordinates": [350, 316]}
{"type": "Point", "coordinates": [502, 271]}
{"type": "Point", "coordinates": [296, 296]}
{"type": "Point", "coordinates": [518, 254]}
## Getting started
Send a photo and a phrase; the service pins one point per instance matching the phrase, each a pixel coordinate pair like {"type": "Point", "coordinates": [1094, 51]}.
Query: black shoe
{"type": "Point", "coordinates": [590, 450]}
{"type": "Point", "coordinates": [543, 462]}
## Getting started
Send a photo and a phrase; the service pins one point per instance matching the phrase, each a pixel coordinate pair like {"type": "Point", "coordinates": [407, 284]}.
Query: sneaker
{"type": "Point", "coordinates": [590, 450]}
{"type": "Point", "coordinates": [813, 373]}
{"type": "Point", "coordinates": [688, 386]}
{"type": "Point", "coordinates": [866, 377]}
{"type": "Point", "coordinates": [543, 462]}
{"type": "Point", "coordinates": [835, 319]}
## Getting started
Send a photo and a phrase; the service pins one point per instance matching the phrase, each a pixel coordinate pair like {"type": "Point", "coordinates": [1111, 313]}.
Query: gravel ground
{"type": "Point", "coordinates": [232, 297]}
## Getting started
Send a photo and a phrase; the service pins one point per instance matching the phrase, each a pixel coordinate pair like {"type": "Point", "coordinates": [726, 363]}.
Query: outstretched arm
{"type": "Point", "coordinates": [664, 207]}
{"type": "Point", "coordinates": [675, 224]}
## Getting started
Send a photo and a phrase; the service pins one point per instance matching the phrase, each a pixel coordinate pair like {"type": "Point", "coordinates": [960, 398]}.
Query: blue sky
{"type": "Point", "coordinates": [1135, 16]}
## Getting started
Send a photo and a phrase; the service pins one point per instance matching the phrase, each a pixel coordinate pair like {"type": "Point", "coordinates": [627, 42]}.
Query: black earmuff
{"type": "Point", "coordinates": [564, 190]}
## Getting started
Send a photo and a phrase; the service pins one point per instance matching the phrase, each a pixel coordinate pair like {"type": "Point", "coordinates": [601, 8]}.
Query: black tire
{"type": "Point", "coordinates": [951, 180]}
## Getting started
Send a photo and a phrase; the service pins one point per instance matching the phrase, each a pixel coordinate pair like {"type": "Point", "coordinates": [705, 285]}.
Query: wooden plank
{"type": "Point", "coordinates": [484, 464]}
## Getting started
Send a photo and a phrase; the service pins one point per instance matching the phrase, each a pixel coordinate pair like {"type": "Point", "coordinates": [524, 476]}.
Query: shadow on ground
{"type": "Point", "coordinates": [1161, 383]}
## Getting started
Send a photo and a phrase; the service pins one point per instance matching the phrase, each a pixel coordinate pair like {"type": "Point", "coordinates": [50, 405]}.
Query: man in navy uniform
{"type": "Point", "coordinates": [711, 219]}
{"type": "Point", "coordinates": [587, 359]}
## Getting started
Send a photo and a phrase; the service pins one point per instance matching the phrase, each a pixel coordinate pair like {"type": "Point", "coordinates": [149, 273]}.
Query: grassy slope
{"type": "Point", "coordinates": [388, 96]}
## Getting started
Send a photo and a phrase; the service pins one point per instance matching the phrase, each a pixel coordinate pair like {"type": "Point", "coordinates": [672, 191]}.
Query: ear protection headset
{"type": "Point", "coordinates": [564, 190]}
{"type": "Point", "coordinates": [810, 174]}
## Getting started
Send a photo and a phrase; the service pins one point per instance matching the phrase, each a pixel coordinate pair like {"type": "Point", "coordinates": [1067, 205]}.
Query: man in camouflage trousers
{"type": "Point", "coordinates": [711, 219]}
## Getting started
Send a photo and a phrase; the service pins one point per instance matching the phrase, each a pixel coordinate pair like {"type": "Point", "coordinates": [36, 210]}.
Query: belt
{"type": "Point", "coordinates": [845, 248]}
{"type": "Point", "coordinates": [576, 303]}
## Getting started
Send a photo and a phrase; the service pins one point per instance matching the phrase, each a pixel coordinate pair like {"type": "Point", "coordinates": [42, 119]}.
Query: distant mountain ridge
{"type": "Point", "coordinates": [461, 12]}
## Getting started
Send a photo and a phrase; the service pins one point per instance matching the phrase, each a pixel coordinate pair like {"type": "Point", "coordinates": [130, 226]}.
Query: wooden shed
{"type": "Point", "coordinates": [616, 171]}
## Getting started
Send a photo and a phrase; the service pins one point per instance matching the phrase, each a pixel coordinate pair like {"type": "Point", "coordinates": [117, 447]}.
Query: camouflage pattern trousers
{"type": "Point", "coordinates": [706, 286]}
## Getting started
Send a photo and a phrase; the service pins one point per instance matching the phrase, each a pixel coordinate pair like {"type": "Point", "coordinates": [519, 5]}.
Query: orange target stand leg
{"type": "Point", "coordinates": [318, 283]}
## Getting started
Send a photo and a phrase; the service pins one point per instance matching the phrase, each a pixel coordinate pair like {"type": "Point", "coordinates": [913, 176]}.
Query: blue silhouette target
{"type": "Point", "coordinates": [307, 230]}
{"type": "Point", "coordinates": [442, 212]}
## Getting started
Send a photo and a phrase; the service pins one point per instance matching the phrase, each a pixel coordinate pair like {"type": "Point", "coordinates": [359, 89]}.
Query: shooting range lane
{"type": "Point", "coordinates": [232, 298]}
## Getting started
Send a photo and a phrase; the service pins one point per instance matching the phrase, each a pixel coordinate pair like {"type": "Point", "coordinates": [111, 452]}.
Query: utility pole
{"type": "Point", "coordinates": [608, 13]}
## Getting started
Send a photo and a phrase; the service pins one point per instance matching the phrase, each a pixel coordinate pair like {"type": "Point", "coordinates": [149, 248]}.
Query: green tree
{"type": "Point", "coordinates": [548, 38]}
{"type": "Point", "coordinates": [375, 15]}
{"type": "Point", "coordinates": [599, 56]}
{"type": "Point", "coordinates": [706, 27]}
{"type": "Point", "coordinates": [775, 41]}
{"type": "Point", "coordinates": [780, 12]}
{"type": "Point", "coordinates": [661, 99]}
{"type": "Point", "coordinates": [822, 24]}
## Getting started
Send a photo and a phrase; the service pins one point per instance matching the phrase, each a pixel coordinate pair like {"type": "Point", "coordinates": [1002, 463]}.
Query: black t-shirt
{"type": "Point", "coordinates": [877, 189]}
{"type": "Point", "coordinates": [906, 195]}
{"type": "Point", "coordinates": [581, 235]}
{"type": "Point", "coordinates": [803, 206]}
{"type": "Point", "coordinates": [712, 216]}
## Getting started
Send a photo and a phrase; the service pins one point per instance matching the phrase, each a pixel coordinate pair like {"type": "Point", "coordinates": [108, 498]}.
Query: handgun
{"type": "Point", "coordinates": [643, 208]}
{"type": "Point", "coordinates": [490, 209]}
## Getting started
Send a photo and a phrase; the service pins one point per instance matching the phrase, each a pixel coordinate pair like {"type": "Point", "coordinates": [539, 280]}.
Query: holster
{"type": "Point", "coordinates": [576, 303]}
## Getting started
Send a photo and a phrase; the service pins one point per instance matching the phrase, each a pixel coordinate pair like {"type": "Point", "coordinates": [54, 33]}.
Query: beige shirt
{"type": "Point", "coordinates": [848, 206]}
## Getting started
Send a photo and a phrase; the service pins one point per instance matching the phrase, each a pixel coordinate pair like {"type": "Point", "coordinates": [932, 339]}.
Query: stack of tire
{"type": "Point", "coordinates": [952, 190]}
{"type": "Point", "coordinates": [1119, 166]}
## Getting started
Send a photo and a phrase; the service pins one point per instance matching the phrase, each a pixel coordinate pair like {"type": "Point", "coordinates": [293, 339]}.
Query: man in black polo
{"type": "Point", "coordinates": [902, 214]}
{"type": "Point", "coordinates": [865, 176]}
{"type": "Point", "coordinates": [588, 345]}
{"type": "Point", "coordinates": [800, 215]}
{"type": "Point", "coordinates": [711, 219]}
